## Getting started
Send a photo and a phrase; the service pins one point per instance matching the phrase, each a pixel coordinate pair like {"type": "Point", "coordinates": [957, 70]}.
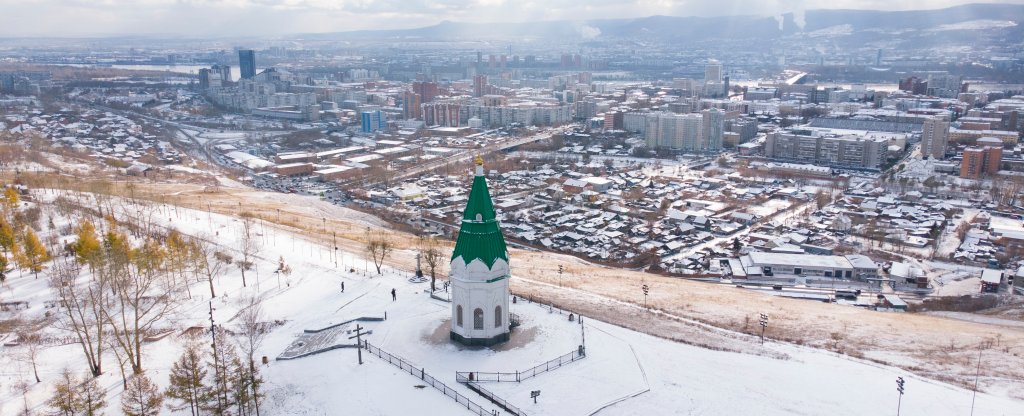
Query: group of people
{"type": "Point", "coordinates": [394, 292]}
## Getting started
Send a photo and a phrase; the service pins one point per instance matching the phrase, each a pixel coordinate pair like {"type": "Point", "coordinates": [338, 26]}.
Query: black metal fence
{"type": "Point", "coordinates": [479, 376]}
{"type": "Point", "coordinates": [427, 379]}
{"type": "Point", "coordinates": [509, 407]}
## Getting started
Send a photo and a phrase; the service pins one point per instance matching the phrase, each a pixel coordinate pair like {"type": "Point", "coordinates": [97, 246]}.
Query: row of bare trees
{"type": "Point", "coordinates": [379, 246]}
{"type": "Point", "coordinates": [129, 290]}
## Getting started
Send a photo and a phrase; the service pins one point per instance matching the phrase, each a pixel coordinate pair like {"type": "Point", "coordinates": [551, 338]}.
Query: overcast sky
{"type": "Point", "coordinates": [275, 17]}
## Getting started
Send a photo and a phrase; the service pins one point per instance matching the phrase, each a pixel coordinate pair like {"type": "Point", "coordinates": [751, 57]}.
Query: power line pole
{"type": "Point", "coordinates": [763, 321]}
{"type": "Point", "coordinates": [977, 375]}
{"type": "Point", "coordinates": [359, 342]}
{"type": "Point", "coordinates": [899, 388]}
{"type": "Point", "coordinates": [221, 399]}
{"type": "Point", "coordinates": [646, 290]}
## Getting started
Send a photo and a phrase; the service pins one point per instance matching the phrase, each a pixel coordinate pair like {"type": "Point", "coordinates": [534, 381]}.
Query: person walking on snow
{"type": "Point", "coordinates": [342, 287]}
{"type": "Point", "coordinates": [394, 295]}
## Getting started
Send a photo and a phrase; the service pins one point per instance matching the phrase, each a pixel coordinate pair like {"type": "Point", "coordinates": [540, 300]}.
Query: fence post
{"type": "Point", "coordinates": [423, 374]}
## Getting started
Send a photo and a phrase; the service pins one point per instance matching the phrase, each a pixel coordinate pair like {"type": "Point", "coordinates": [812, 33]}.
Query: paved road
{"type": "Point", "coordinates": [466, 155]}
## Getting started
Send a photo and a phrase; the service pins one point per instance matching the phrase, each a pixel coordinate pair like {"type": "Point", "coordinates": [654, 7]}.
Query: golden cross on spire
{"type": "Point", "coordinates": [479, 160]}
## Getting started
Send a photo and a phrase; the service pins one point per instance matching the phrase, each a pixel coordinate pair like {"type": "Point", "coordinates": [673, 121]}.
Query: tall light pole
{"type": "Point", "coordinates": [560, 275]}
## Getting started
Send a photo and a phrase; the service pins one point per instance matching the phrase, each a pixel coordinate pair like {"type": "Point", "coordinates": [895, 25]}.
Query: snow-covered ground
{"type": "Point", "coordinates": [624, 373]}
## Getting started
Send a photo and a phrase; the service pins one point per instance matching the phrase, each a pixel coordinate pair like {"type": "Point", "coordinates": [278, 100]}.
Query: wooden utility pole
{"type": "Point", "coordinates": [899, 388]}
{"type": "Point", "coordinates": [359, 342]}
{"type": "Point", "coordinates": [647, 290]}
{"type": "Point", "coordinates": [221, 396]}
{"type": "Point", "coordinates": [763, 321]}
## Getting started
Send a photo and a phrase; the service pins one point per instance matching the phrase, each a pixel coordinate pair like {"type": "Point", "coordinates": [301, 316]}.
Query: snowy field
{"type": "Point", "coordinates": [624, 372]}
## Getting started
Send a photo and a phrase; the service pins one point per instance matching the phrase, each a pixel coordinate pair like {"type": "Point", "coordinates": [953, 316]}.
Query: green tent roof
{"type": "Point", "coordinates": [480, 237]}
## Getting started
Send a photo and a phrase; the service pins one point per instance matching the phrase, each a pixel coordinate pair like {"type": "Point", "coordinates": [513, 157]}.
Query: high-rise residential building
{"type": "Point", "coordinates": [914, 85]}
{"type": "Point", "coordinates": [983, 159]}
{"type": "Point", "coordinates": [827, 150]}
{"type": "Point", "coordinates": [204, 78]}
{"type": "Point", "coordinates": [746, 128]}
{"type": "Point", "coordinates": [443, 114]}
{"type": "Point", "coordinates": [426, 90]}
{"type": "Point", "coordinates": [944, 85]}
{"type": "Point", "coordinates": [934, 137]}
{"type": "Point", "coordinates": [613, 120]}
{"type": "Point", "coordinates": [247, 63]}
{"type": "Point", "coordinates": [713, 125]}
{"type": "Point", "coordinates": [674, 131]}
{"type": "Point", "coordinates": [713, 71]}
{"type": "Point", "coordinates": [692, 132]}
{"type": "Point", "coordinates": [412, 105]}
{"type": "Point", "coordinates": [224, 71]}
{"type": "Point", "coordinates": [373, 121]}
{"type": "Point", "coordinates": [493, 100]}
{"type": "Point", "coordinates": [479, 85]}
{"type": "Point", "coordinates": [994, 153]}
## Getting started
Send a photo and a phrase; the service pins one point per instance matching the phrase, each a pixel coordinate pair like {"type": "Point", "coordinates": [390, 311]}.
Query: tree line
{"type": "Point", "coordinates": [120, 281]}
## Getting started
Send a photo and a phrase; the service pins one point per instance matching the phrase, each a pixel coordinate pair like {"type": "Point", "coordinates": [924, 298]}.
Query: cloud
{"type": "Point", "coordinates": [275, 17]}
{"type": "Point", "coordinates": [800, 18]}
{"type": "Point", "coordinates": [588, 32]}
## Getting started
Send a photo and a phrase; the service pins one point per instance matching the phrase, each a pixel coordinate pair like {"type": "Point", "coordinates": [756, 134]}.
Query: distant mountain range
{"type": "Point", "coordinates": [965, 17]}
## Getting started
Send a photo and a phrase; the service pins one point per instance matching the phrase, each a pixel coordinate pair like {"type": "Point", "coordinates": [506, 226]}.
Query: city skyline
{"type": "Point", "coordinates": [248, 18]}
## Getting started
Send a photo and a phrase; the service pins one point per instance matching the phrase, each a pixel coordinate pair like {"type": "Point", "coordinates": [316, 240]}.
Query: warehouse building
{"type": "Point", "coordinates": [760, 264]}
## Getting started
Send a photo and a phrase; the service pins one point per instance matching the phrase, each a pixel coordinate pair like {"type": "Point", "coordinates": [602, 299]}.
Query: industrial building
{"type": "Point", "coordinates": [761, 264]}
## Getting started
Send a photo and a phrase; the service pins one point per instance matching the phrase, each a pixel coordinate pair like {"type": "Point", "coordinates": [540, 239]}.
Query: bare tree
{"type": "Point", "coordinates": [253, 331]}
{"type": "Point", "coordinates": [178, 258]}
{"type": "Point", "coordinates": [822, 199]}
{"type": "Point", "coordinates": [144, 296]}
{"type": "Point", "coordinates": [32, 343]}
{"type": "Point", "coordinates": [22, 387]}
{"type": "Point", "coordinates": [81, 310]}
{"type": "Point", "coordinates": [430, 253]}
{"type": "Point", "coordinates": [379, 246]}
{"type": "Point", "coordinates": [249, 246]}
{"type": "Point", "coordinates": [208, 260]}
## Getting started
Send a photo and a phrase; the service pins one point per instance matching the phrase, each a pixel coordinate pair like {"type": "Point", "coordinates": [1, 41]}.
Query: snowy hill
{"type": "Point", "coordinates": [623, 373]}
